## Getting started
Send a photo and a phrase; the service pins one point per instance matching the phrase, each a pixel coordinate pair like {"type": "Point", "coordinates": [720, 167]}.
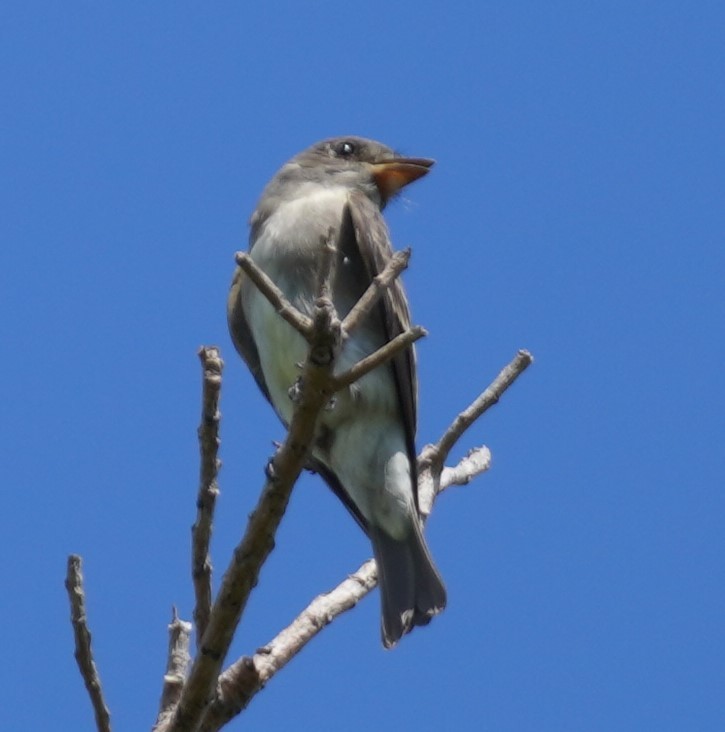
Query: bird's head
{"type": "Point", "coordinates": [356, 162]}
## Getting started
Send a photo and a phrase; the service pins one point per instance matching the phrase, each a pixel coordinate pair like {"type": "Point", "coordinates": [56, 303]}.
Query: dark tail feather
{"type": "Point", "coordinates": [411, 589]}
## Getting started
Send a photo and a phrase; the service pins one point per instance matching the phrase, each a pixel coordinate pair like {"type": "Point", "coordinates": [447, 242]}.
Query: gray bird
{"type": "Point", "coordinates": [365, 449]}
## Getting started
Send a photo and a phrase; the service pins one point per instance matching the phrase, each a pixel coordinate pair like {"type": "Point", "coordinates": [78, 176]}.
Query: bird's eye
{"type": "Point", "coordinates": [346, 149]}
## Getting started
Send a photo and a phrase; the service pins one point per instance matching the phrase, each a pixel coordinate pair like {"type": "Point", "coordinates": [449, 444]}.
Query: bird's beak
{"type": "Point", "coordinates": [392, 175]}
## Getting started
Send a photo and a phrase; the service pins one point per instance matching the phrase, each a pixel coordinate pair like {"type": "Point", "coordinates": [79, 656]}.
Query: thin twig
{"type": "Point", "coordinates": [177, 664]}
{"type": "Point", "coordinates": [395, 265]}
{"type": "Point", "coordinates": [475, 462]}
{"type": "Point", "coordinates": [436, 455]}
{"type": "Point", "coordinates": [246, 676]}
{"type": "Point", "coordinates": [299, 321]}
{"type": "Point", "coordinates": [83, 651]}
{"type": "Point", "coordinates": [208, 433]}
{"type": "Point", "coordinates": [382, 355]}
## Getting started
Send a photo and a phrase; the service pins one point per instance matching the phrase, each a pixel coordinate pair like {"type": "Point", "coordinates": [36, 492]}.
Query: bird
{"type": "Point", "coordinates": [365, 446]}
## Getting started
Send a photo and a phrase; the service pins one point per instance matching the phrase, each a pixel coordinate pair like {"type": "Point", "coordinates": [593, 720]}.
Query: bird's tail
{"type": "Point", "coordinates": [411, 589]}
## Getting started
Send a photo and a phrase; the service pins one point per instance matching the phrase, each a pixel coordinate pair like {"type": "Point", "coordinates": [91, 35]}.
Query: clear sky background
{"type": "Point", "coordinates": [576, 210]}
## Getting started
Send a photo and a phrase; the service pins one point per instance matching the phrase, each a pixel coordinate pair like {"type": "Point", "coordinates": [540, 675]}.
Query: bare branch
{"type": "Point", "coordinates": [258, 541]}
{"type": "Point", "coordinates": [477, 461]}
{"type": "Point", "coordinates": [436, 455]}
{"type": "Point", "coordinates": [208, 432]}
{"type": "Point", "coordinates": [177, 665]}
{"type": "Point", "coordinates": [396, 264]}
{"type": "Point", "coordinates": [300, 322]}
{"type": "Point", "coordinates": [381, 356]}
{"type": "Point", "coordinates": [83, 651]}
{"type": "Point", "coordinates": [244, 678]}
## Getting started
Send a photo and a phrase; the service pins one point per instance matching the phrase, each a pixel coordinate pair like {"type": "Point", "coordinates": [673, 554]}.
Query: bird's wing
{"type": "Point", "coordinates": [240, 331]}
{"type": "Point", "coordinates": [373, 242]}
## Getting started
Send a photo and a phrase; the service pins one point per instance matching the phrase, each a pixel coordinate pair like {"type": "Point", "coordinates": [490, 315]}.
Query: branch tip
{"type": "Point", "coordinates": [82, 636]}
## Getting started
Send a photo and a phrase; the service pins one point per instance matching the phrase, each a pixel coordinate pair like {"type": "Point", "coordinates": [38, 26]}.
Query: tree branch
{"type": "Point", "coordinates": [245, 677]}
{"type": "Point", "coordinates": [377, 358]}
{"type": "Point", "coordinates": [299, 321]}
{"type": "Point", "coordinates": [83, 651]}
{"type": "Point", "coordinates": [434, 456]}
{"type": "Point", "coordinates": [396, 264]}
{"type": "Point", "coordinates": [208, 433]}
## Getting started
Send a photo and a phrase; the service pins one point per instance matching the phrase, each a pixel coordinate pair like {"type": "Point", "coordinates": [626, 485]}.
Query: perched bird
{"type": "Point", "coordinates": [365, 449]}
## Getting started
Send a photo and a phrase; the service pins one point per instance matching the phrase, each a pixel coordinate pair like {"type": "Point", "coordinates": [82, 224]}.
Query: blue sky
{"type": "Point", "coordinates": [576, 210]}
